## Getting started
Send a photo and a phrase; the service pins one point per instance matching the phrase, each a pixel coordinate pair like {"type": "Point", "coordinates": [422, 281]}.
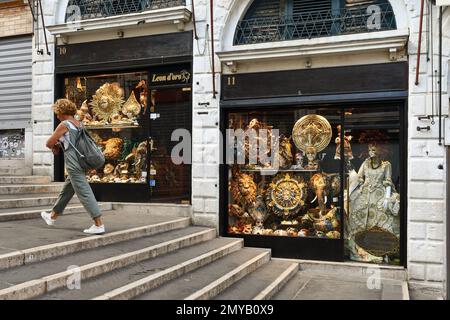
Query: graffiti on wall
{"type": "Point", "coordinates": [12, 144]}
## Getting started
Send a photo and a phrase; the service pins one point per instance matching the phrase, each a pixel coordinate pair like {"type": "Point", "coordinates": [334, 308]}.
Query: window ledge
{"type": "Point", "coordinates": [392, 41]}
{"type": "Point", "coordinates": [178, 16]}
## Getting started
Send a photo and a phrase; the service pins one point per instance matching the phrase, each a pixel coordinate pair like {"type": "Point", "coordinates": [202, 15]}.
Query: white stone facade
{"type": "Point", "coordinates": [427, 187]}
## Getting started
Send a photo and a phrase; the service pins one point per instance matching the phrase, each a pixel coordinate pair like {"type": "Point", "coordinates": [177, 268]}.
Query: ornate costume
{"type": "Point", "coordinates": [374, 206]}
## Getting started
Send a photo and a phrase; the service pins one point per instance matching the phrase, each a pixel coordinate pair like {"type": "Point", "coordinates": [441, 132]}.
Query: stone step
{"type": "Point", "coordinates": [15, 214]}
{"type": "Point", "coordinates": [354, 268]}
{"type": "Point", "coordinates": [211, 279]}
{"type": "Point", "coordinates": [142, 276]}
{"type": "Point", "coordinates": [40, 242]}
{"type": "Point", "coordinates": [30, 200]}
{"type": "Point", "coordinates": [317, 286]}
{"type": "Point", "coordinates": [31, 281]}
{"type": "Point", "coordinates": [261, 284]}
{"type": "Point", "coordinates": [24, 180]}
{"type": "Point", "coordinates": [30, 188]}
{"type": "Point", "coordinates": [27, 272]}
{"type": "Point", "coordinates": [12, 171]}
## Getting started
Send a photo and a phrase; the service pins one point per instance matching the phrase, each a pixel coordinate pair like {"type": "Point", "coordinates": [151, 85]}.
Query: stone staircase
{"type": "Point", "coordinates": [150, 252]}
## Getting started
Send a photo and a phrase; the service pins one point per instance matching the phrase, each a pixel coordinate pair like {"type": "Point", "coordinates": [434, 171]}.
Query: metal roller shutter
{"type": "Point", "coordinates": [15, 82]}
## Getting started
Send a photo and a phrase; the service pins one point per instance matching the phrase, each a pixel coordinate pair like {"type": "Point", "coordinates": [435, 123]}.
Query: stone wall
{"type": "Point", "coordinates": [43, 96]}
{"type": "Point", "coordinates": [426, 182]}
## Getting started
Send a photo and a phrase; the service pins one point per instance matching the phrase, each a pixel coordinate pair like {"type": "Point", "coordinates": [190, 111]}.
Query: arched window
{"type": "Point", "coordinates": [278, 20]}
{"type": "Point", "coordinates": [91, 9]}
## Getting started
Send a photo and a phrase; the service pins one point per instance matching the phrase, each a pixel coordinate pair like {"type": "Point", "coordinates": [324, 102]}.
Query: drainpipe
{"type": "Point", "coordinates": [420, 41]}
{"type": "Point", "coordinates": [194, 20]}
{"type": "Point", "coordinates": [212, 49]}
{"type": "Point", "coordinates": [440, 74]}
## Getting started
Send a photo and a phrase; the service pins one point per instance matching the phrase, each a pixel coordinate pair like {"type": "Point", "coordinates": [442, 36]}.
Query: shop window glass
{"type": "Point", "coordinates": [335, 173]}
{"type": "Point", "coordinates": [373, 216]}
{"type": "Point", "coordinates": [301, 198]}
{"type": "Point", "coordinates": [113, 108]}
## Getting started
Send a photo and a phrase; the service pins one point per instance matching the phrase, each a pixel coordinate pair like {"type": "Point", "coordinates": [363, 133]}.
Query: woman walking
{"type": "Point", "coordinates": [76, 183]}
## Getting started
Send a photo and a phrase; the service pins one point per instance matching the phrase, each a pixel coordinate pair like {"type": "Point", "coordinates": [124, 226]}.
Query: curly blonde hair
{"type": "Point", "coordinates": [64, 106]}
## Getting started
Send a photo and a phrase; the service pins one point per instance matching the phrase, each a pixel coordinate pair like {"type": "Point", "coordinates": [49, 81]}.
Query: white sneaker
{"type": "Point", "coordinates": [95, 230]}
{"type": "Point", "coordinates": [47, 218]}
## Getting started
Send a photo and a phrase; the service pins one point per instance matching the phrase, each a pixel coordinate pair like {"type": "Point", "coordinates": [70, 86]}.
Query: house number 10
{"type": "Point", "coordinates": [62, 51]}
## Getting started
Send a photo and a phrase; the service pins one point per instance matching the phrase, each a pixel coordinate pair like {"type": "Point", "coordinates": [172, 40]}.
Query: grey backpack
{"type": "Point", "coordinates": [90, 156]}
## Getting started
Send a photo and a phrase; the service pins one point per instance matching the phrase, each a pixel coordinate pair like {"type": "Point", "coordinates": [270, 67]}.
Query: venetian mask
{"type": "Point", "coordinates": [243, 189]}
{"type": "Point", "coordinates": [311, 154]}
{"type": "Point", "coordinates": [373, 151]}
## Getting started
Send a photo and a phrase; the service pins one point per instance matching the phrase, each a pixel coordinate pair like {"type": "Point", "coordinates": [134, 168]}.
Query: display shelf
{"type": "Point", "coordinates": [112, 183]}
{"type": "Point", "coordinates": [112, 127]}
{"type": "Point", "coordinates": [278, 170]}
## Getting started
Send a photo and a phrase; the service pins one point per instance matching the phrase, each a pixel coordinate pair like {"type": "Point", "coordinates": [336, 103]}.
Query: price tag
{"type": "Point", "coordinates": [154, 116]}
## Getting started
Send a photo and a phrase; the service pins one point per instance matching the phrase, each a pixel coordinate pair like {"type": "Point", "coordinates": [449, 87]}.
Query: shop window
{"type": "Point", "coordinates": [132, 117]}
{"type": "Point", "coordinates": [91, 9]}
{"type": "Point", "coordinates": [329, 174]}
{"type": "Point", "coordinates": [279, 20]}
{"type": "Point", "coordinates": [373, 215]}
{"type": "Point", "coordinates": [300, 199]}
{"type": "Point", "coordinates": [113, 108]}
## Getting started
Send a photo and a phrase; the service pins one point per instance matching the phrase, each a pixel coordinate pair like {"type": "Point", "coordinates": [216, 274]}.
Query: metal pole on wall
{"type": "Point", "coordinates": [420, 41]}
{"type": "Point", "coordinates": [212, 49]}
{"type": "Point", "coordinates": [440, 75]}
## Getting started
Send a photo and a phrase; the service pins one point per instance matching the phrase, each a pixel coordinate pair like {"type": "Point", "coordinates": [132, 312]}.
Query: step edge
{"type": "Point", "coordinates": [276, 285]}
{"type": "Point", "coordinates": [121, 261]}
{"type": "Point", "coordinates": [15, 216]}
{"type": "Point", "coordinates": [58, 280]}
{"type": "Point", "coordinates": [405, 291]}
{"type": "Point", "coordinates": [231, 277]}
{"type": "Point", "coordinates": [27, 256]}
{"type": "Point", "coordinates": [146, 284]}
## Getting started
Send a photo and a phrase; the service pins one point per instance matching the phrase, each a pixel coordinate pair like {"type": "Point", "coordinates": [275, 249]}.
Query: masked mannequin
{"type": "Point", "coordinates": [374, 203]}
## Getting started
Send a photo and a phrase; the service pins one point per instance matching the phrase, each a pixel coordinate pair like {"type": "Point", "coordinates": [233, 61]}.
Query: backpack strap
{"type": "Point", "coordinates": [77, 151]}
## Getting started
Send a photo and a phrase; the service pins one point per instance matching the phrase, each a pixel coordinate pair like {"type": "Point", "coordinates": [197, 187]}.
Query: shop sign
{"type": "Point", "coordinates": [377, 242]}
{"type": "Point", "coordinates": [177, 77]}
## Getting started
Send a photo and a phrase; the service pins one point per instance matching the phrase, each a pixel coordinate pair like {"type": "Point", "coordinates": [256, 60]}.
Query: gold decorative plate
{"type": "Point", "coordinates": [108, 100]}
{"type": "Point", "coordinates": [286, 195]}
{"type": "Point", "coordinates": [312, 131]}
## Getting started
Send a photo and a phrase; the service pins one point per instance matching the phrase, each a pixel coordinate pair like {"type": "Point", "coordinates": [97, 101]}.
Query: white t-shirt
{"type": "Point", "coordinates": [66, 136]}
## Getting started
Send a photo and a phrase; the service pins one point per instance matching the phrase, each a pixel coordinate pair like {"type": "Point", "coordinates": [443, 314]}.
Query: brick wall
{"type": "Point", "coordinates": [15, 21]}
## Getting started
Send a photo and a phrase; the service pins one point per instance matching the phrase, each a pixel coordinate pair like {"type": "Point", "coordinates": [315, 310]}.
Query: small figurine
{"type": "Point", "coordinates": [143, 94]}
{"type": "Point", "coordinates": [83, 113]}
{"type": "Point", "coordinates": [313, 162]}
{"type": "Point", "coordinates": [347, 147]}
